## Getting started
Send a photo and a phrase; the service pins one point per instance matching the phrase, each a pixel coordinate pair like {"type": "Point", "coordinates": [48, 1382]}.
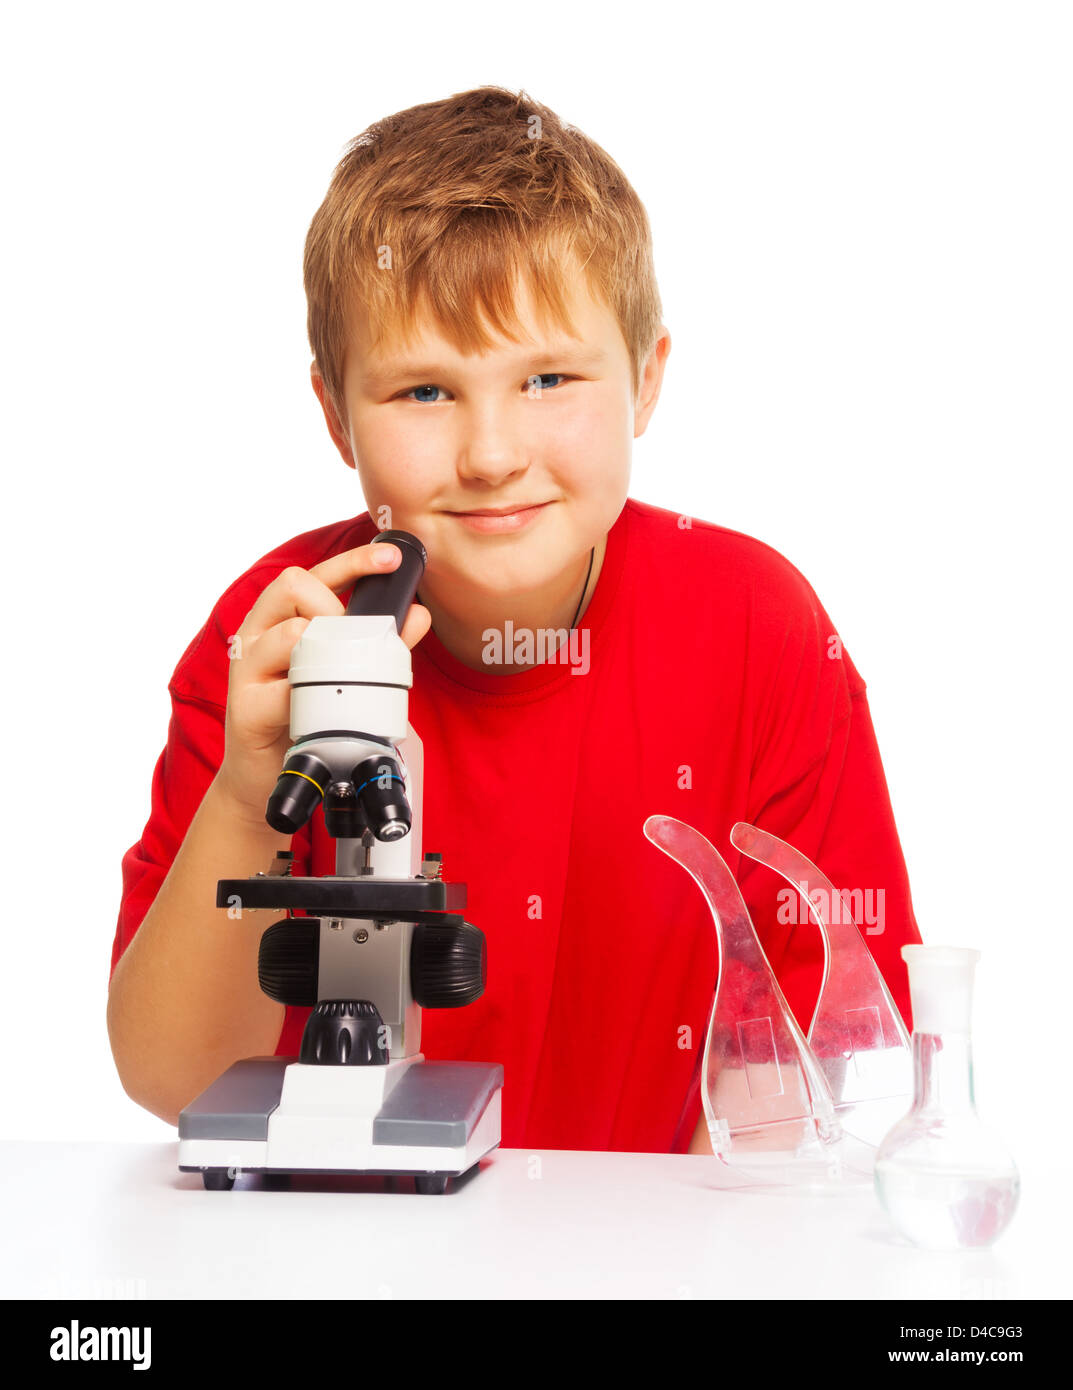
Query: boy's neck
{"type": "Point", "coordinates": [461, 628]}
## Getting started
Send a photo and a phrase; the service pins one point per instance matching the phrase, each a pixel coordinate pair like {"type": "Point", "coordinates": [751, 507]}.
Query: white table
{"type": "Point", "coordinates": [98, 1220]}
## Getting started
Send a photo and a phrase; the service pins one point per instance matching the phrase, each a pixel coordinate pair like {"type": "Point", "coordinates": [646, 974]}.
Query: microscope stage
{"type": "Point", "coordinates": [412, 899]}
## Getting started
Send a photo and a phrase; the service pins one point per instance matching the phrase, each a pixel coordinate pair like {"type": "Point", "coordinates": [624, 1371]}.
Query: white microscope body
{"type": "Point", "coordinates": [383, 938]}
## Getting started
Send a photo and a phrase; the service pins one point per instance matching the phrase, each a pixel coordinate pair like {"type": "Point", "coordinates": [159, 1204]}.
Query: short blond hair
{"type": "Point", "coordinates": [443, 208]}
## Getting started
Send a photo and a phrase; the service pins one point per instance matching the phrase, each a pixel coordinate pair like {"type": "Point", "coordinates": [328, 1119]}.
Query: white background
{"type": "Point", "coordinates": [862, 220]}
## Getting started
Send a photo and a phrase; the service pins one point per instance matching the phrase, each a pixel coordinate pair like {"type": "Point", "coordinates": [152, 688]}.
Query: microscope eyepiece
{"type": "Point", "coordinates": [381, 791]}
{"type": "Point", "coordinates": [298, 793]}
{"type": "Point", "coordinates": [391, 593]}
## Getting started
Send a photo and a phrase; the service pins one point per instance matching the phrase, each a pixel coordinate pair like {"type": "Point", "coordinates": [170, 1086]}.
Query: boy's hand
{"type": "Point", "coordinates": [257, 723]}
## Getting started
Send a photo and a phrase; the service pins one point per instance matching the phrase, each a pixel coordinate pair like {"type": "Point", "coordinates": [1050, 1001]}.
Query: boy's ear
{"type": "Point", "coordinates": [651, 381]}
{"type": "Point", "coordinates": [336, 428]}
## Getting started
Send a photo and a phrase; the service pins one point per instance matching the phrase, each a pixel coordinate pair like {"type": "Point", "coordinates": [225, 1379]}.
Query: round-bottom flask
{"type": "Point", "coordinates": [945, 1181]}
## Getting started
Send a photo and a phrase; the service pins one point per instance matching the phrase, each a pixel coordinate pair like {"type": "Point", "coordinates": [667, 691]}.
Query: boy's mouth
{"type": "Point", "coordinates": [501, 519]}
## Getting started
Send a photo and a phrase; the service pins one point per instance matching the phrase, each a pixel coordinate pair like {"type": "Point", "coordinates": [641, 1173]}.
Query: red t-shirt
{"type": "Point", "coordinates": [714, 693]}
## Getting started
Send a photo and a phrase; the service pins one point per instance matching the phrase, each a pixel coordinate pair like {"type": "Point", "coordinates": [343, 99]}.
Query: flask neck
{"type": "Point", "coordinates": [942, 1073]}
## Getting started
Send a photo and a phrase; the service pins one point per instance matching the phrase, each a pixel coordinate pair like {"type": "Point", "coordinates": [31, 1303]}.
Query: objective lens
{"type": "Point", "coordinates": [298, 793]}
{"type": "Point", "coordinates": [381, 791]}
{"type": "Point", "coordinates": [343, 817]}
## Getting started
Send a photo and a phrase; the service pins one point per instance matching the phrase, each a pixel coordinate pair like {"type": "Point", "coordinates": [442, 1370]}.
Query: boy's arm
{"type": "Point", "coordinates": [184, 1002]}
{"type": "Point", "coordinates": [701, 1143]}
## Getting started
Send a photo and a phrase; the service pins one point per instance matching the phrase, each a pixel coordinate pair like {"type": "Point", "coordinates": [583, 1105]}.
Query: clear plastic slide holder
{"type": "Point", "coordinates": [782, 1109]}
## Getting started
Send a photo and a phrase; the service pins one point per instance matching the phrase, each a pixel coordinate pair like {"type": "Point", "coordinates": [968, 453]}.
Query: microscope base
{"type": "Point", "coordinates": [428, 1120]}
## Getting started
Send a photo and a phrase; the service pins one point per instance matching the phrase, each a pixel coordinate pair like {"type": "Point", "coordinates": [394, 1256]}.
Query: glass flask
{"type": "Point", "coordinates": [945, 1181]}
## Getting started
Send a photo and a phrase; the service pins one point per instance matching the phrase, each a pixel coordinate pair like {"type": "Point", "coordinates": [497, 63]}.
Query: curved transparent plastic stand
{"type": "Point", "coordinates": [857, 1034]}
{"type": "Point", "coordinates": [769, 1109]}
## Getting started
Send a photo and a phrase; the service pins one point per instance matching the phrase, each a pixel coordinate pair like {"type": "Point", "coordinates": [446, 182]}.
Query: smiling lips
{"type": "Point", "coordinates": [500, 521]}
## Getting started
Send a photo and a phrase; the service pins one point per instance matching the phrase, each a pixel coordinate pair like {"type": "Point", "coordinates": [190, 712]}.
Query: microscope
{"type": "Point", "coordinates": [384, 936]}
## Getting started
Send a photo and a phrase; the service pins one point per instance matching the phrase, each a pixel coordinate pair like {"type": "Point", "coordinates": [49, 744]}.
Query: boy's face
{"type": "Point", "coordinates": [545, 426]}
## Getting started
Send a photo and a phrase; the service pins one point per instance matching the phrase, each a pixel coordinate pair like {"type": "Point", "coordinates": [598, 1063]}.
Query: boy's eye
{"type": "Point", "coordinates": [549, 381]}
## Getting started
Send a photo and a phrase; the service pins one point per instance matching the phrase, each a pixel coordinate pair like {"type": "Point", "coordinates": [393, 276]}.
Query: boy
{"type": "Point", "coordinates": [487, 342]}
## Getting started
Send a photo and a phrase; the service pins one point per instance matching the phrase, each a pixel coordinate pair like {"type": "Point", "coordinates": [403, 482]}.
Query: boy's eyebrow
{"type": "Point", "coordinates": [565, 356]}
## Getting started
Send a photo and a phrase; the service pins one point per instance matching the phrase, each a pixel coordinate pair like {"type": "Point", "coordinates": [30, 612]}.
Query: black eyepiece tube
{"type": "Point", "coordinates": [392, 593]}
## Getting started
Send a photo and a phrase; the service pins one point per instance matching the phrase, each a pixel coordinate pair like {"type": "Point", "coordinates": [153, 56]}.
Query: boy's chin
{"type": "Point", "coordinates": [520, 565]}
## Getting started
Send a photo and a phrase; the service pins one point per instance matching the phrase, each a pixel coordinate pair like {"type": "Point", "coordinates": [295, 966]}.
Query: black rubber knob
{"type": "Point", "coordinates": [345, 1033]}
{"type": "Point", "coordinates": [448, 965]}
{"type": "Point", "coordinates": [288, 961]}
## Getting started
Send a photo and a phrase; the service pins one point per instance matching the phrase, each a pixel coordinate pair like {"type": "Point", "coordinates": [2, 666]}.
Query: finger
{"type": "Point", "coordinates": [263, 714]}
{"type": "Point", "coordinates": [340, 571]}
{"type": "Point", "coordinates": [311, 593]}
{"type": "Point", "coordinates": [293, 593]}
{"type": "Point", "coordinates": [269, 654]}
{"type": "Point", "coordinates": [417, 623]}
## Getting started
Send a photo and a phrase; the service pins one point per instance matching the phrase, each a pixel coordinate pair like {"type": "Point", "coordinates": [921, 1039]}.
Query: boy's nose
{"type": "Point", "coordinates": [489, 459]}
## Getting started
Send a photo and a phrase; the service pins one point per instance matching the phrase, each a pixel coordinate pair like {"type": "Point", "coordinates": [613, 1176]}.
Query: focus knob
{"type": "Point", "coordinates": [448, 965]}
